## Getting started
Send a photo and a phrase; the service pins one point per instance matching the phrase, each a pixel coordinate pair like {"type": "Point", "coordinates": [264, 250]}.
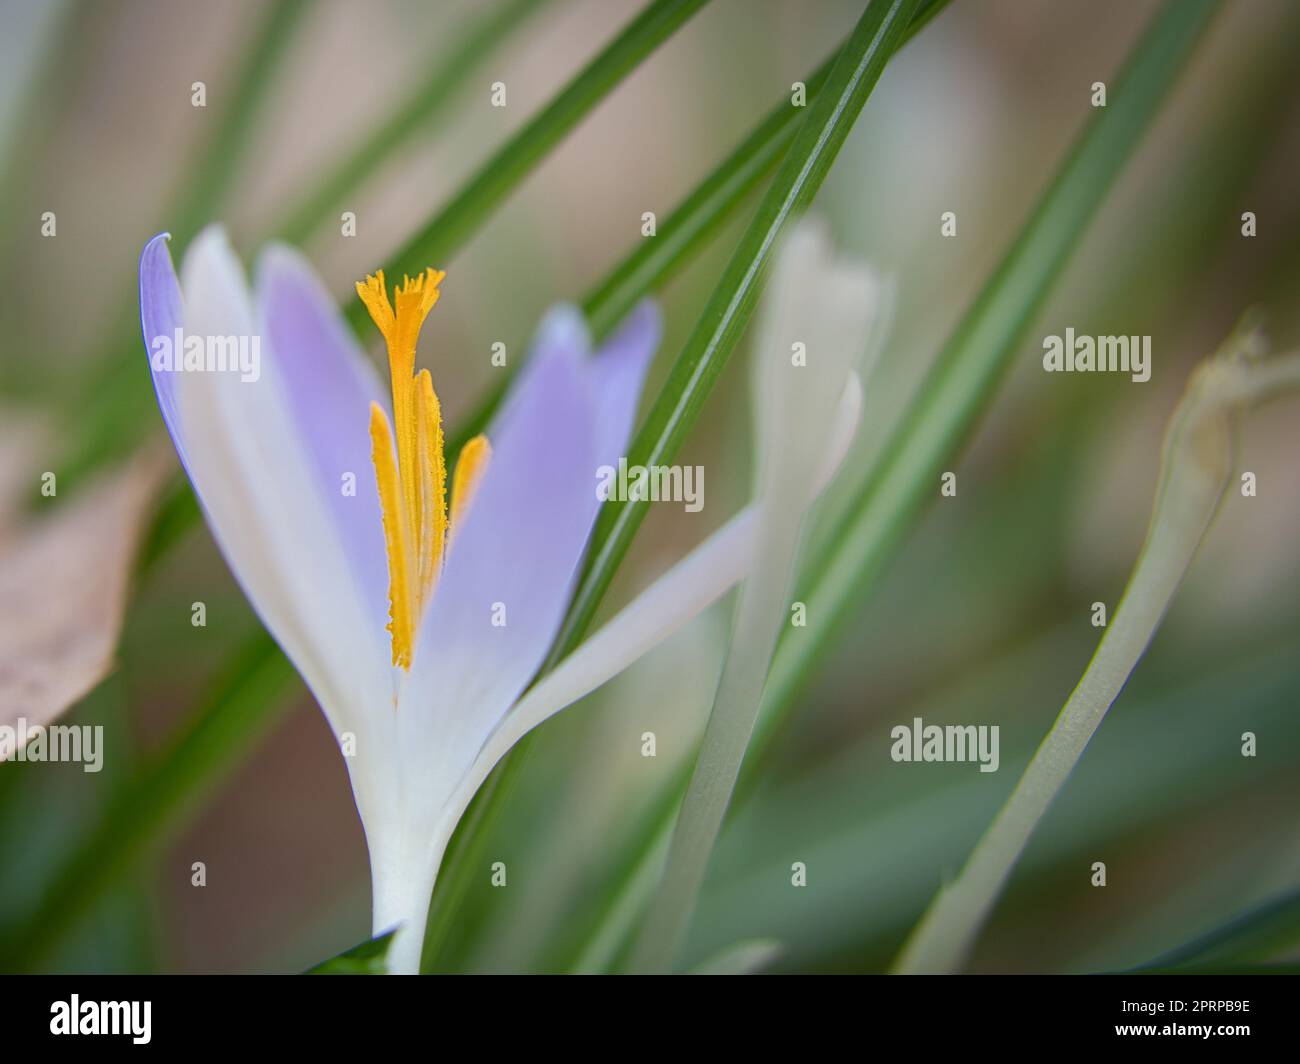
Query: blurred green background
{"type": "Point", "coordinates": [984, 616]}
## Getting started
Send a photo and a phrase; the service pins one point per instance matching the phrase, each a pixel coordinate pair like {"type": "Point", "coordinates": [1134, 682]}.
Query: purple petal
{"type": "Point", "coordinates": [329, 386]}
{"type": "Point", "coordinates": [162, 313]}
{"type": "Point", "coordinates": [617, 373]}
{"type": "Point", "coordinates": [526, 531]}
{"type": "Point", "coordinates": [561, 333]}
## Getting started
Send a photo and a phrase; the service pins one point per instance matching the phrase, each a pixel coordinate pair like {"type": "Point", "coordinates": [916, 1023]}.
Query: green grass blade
{"type": "Point", "coordinates": [697, 218]}
{"type": "Point", "coordinates": [366, 958]}
{"type": "Point", "coordinates": [496, 179]}
{"type": "Point", "coordinates": [424, 106]}
{"type": "Point", "coordinates": [211, 176]}
{"type": "Point", "coordinates": [829, 119]}
{"type": "Point", "coordinates": [1254, 937]}
{"type": "Point", "coordinates": [714, 199]}
{"type": "Point", "coordinates": [694, 221]}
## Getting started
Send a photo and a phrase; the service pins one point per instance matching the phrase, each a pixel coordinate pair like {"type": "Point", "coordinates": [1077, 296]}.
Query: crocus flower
{"type": "Point", "coordinates": [416, 611]}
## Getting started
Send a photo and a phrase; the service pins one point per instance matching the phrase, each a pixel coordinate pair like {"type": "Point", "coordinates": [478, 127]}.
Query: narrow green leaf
{"type": "Point", "coordinates": [697, 218]}
{"type": "Point", "coordinates": [693, 222]}
{"type": "Point", "coordinates": [367, 958]}
{"type": "Point", "coordinates": [715, 198]}
{"type": "Point", "coordinates": [418, 113]}
{"type": "Point", "coordinates": [208, 181]}
{"type": "Point", "coordinates": [1254, 937]}
{"type": "Point", "coordinates": [744, 958]}
{"type": "Point", "coordinates": [858, 67]}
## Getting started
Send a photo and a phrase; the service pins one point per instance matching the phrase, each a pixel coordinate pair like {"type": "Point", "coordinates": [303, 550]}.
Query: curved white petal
{"type": "Point", "coordinates": [824, 304]}
{"type": "Point", "coordinates": [264, 503]}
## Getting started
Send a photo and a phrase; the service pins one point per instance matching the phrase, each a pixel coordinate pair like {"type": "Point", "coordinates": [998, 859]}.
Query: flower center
{"type": "Point", "coordinates": [410, 465]}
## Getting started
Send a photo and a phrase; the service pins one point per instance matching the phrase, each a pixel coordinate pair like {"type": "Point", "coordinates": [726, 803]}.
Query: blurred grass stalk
{"type": "Point", "coordinates": [963, 379]}
{"type": "Point", "coordinates": [451, 228]}
{"type": "Point", "coordinates": [1119, 801]}
{"type": "Point", "coordinates": [419, 113]}
{"type": "Point", "coordinates": [881, 30]}
{"type": "Point", "coordinates": [830, 304]}
{"type": "Point", "coordinates": [1238, 944]}
{"type": "Point", "coordinates": [1198, 460]}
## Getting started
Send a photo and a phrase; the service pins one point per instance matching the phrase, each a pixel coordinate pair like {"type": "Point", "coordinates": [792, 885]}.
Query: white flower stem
{"type": "Point", "coordinates": [1197, 464]}
{"type": "Point", "coordinates": [403, 878]}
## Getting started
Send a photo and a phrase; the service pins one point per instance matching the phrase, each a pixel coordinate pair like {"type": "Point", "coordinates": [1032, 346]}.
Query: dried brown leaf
{"type": "Point", "coordinates": [63, 588]}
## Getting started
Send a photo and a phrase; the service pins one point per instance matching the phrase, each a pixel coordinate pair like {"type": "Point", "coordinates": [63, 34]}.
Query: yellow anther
{"type": "Point", "coordinates": [433, 483]}
{"type": "Point", "coordinates": [397, 538]}
{"type": "Point", "coordinates": [471, 464]}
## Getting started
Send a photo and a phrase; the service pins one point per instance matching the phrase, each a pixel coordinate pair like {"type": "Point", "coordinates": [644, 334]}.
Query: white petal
{"type": "Point", "coordinates": [826, 305]}
{"type": "Point", "coordinates": [263, 502]}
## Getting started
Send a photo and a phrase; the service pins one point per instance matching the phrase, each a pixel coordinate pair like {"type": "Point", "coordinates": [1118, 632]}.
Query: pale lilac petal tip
{"type": "Point", "coordinates": [562, 333]}
{"type": "Point", "coordinates": [618, 372]}
{"type": "Point", "coordinates": [162, 313]}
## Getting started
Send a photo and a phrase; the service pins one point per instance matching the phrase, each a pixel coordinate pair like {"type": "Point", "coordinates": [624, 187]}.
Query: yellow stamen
{"type": "Point", "coordinates": [433, 480]}
{"type": "Point", "coordinates": [397, 537]}
{"type": "Point", "coordinates": [471, 463]}
{"type": "Point", "coordinates": [413, 480]}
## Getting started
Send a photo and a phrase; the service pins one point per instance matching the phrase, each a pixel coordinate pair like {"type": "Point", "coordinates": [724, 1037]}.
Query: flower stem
{"type": "Point", "coordinates": [403, 872]}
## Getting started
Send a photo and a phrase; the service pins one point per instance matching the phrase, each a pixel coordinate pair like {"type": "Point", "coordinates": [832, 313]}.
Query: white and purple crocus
{"type": "Point", "coordinates": [416, 605]}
